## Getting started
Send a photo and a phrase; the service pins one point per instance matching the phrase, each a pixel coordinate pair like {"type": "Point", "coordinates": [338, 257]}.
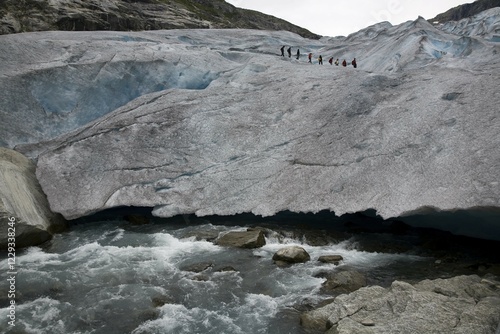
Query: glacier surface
{"type": "Point", "coordinates": [216, 122]}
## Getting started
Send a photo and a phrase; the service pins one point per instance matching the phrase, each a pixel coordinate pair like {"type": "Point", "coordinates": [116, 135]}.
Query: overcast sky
{"type": "Point", "coordinates": [334, 18]}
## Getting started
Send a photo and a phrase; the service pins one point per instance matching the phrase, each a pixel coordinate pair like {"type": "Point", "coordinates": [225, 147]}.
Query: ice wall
{"type": "Point", "coordinates": [217, 122]}
{"type": "Point", "coordinates": [62, 84]}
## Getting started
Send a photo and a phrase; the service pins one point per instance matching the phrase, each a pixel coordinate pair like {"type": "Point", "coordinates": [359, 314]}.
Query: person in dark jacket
{"type": "Point", "coordinates": [354, 63]}
{"type": "Point", "coordinates": [298, 53]}
{"type": "Point", "coordinates": [344, 63]}
{"type": "Point", "coordinates": [320, 60]}
{"type": "Point", "coordinates": [310, 57]}
{"type": "Point", "coordinates": [289, 50]}
{"type": "Point", "coordinates": [282, 51]}
{"type": "Point", "coordinates": [330, 60]}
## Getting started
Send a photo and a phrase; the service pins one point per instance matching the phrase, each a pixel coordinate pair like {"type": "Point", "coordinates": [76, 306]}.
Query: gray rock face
{"type": "Point", "coordinates": [242, 239]}
{"type": "Point", "coordinates": [291, 254]}
{"type": "Point", "coordinates": [23, 203]}
{"type": "Point", "coordinates": [32, 15]}
{"type": "Point", "coordinates": [464, 304]}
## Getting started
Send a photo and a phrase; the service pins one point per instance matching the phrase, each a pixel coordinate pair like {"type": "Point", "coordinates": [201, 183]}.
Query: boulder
{"type": "Point", "coordinates": [291, 254]}
{"type": "Point", "coordinates": [463, 304]}
{"type": "Point", "coordinates": [242, 239]}
{"type": "Point", "coordinates": [335, 259]}
{"type": "Point", "coordinates": [23, 205]}
{"type": "Point", "coordinates": [343, 282]}
{"type": "Point", "coordinates": [198, 267]}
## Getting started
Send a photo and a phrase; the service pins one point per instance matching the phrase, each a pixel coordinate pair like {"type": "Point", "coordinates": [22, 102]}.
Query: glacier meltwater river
{"type": "Point", "coordinates": [108, 276]}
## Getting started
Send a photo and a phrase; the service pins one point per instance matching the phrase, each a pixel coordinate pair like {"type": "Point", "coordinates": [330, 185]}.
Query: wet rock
{"type": "Point", "coordinates": [137, 219]}
{"type": "Point", "coordinates": [291, 254]}
{"type": "Point", "coordinates": [399, 228]}
{"type": "Point", "coordinates": [335, 259]}
{"type": "Point", "coordinates": [200, 278]}
{"type": "Point", "coordinates": [242, 239]}
{"type": "Point", "coordinates": [226, 269]}
{"type": "Point", "coordinates": [162, 300]}
{"type": "Point", "coordinates": [197, 267]}
{"type": "Point", "coordinates": [343, 282]}
{"type": "Point", "coordinates": [466, 304]}
{"type": "Point", "coordinates": [203, 235]}
{"type": "Point", "coordinates": [23, 205]}
{"type": "Point", "coordinates": [148, 315]}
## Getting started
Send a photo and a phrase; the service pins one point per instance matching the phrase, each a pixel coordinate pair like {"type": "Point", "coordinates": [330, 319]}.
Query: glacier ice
{"type": "Point", "coordinates": [415, 125]}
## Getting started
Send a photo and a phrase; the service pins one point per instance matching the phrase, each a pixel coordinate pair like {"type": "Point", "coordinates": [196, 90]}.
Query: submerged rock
{"type": "Point", "coordinates": [198, 267]}
{"type": "Point", "coordinates": [242, 239]}
{"type": "Point", "coordinates": [291, 254]}
{"type": "Point", "coordinates": [463, 304]}
{"type": "Point", "coordinates": [24, 209]}
{"type": "Point", "coordinates": [137, 219]}
{"type": "Point", "coordinates": [335, 259]}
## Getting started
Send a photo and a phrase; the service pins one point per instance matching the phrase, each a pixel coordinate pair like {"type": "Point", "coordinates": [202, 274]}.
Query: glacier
{"type": "Point", "coordinates": [215, 122]}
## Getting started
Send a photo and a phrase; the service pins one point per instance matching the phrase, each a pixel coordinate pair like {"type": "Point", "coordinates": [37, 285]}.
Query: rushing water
{"type": "Point", "coordinates": [111, 277]}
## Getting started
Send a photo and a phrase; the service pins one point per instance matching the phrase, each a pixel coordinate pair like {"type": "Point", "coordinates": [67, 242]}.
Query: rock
{"type": "Point", "coordinates": [226, 269]}
{"type": "Point", "coordinates": [117, 15]}
{"type": "Point", "coordinates": [23, 205]}
{"type": "Point", "coordinates": [343, 282]}
{"type": "Point", "coordinates": [368, 322]}
{"type": "Point", "coordinates": [291, 254]}
{"type": "Point", "coordinates": [463, 304]}
{"type": "Point", "coordinates": [197, 267]}
{"type": "Point", "coordinates": [203, 235]}
{"type": "Point", "coordinates": [137, 219]}
{"type": "Point", "coordinates": [200, 278]}
{"type": "Point", "coordinates": [242, 239]}
{"type": "Point", "coordinates": [162, 300]}
{"type": "Point", "coordinates": [335, 259]}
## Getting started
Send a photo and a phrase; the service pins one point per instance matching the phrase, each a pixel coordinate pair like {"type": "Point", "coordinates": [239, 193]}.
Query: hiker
{"type": "Point", "coordinates": [344, 63]}
{"type": "Point", "coordinates": [289, 50]}
{"type": "Point", "coordinates": [330, 60]}
{"type": "Point", "coordinates": [310, 57]}
{"type": "Point", "coordinates": [354, 64]}
{"type": "Point", "coordinates": [298, 54]}
{"type": "Point", "coordinates": [337, 62]}
{"type": "Point", "coordinates": [282, 51]}
{"type": "Point", "coordinates": [320, 60]}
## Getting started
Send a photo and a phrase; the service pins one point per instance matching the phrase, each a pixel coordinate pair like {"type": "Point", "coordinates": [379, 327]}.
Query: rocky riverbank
{"type": "Point", "coordinates": [23, 205]}
{"type": "Point", "coordinates": [462, 304]}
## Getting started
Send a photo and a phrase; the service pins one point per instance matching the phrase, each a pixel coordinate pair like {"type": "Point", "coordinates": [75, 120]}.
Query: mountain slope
{"type": "Point", "coordinates": [124, 15]}
{"type": "Point", "coordinates": [465, 11]}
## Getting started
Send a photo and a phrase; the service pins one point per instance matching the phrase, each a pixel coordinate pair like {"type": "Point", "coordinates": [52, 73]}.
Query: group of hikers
{"type": "Point", "coordinates": [320, 58]}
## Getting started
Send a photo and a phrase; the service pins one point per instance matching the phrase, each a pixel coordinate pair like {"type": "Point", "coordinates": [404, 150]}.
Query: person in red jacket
{"type": "Point", "coordinates": [344, 63]}
{"type": "Point", "coordinates": [310, 57]}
